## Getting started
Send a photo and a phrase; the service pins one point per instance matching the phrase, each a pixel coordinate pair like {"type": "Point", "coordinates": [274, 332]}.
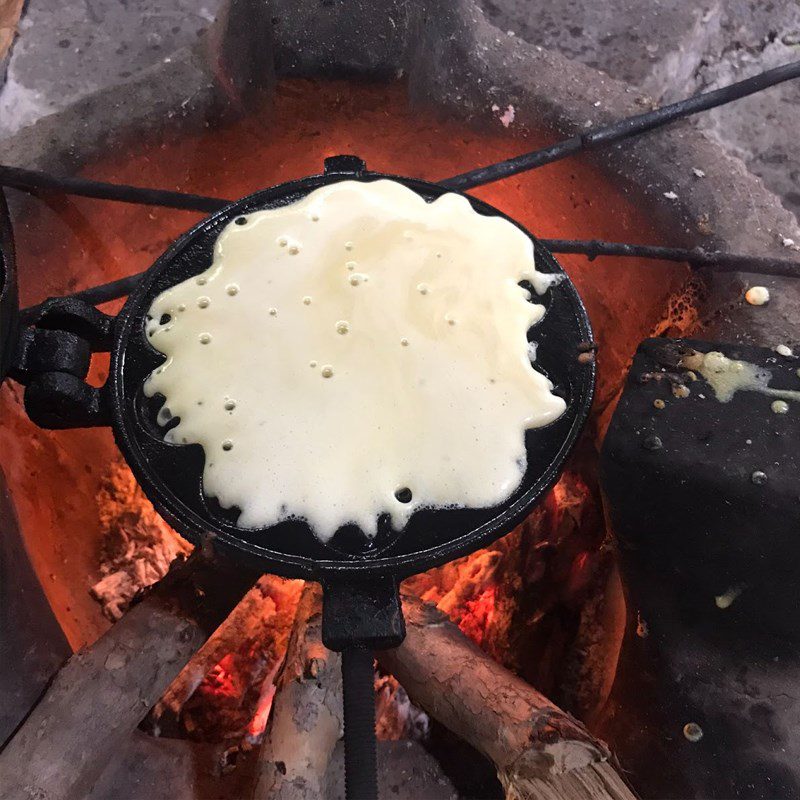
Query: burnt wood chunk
{"type": "Point", "coordinates": [101, 694]}
{"type": "Point", "coordinates": [705, 696]}
{"type": "Point", "coordinates": [538, 750]}
{"type": "Point", "coordinates": [704, 493]}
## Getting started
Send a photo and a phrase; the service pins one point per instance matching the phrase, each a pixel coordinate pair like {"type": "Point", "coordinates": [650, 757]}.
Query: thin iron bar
{"type": "Point", "coordinates": [27, 179]}
{"type": "Point", "coordinates": [113, 290]}
{"type": "Point", "coordinates": [358, 704]}
{"type": "Point", "coordinates": [697, 257]}
{"type": "Point", "coordinates": [94, 295]}
{"type": "Point", "coordinates": [623, 129]}
{"type": "Point", "coordinates": [593, 248]}
{"type": "Point", "coordinates": [632, 126]}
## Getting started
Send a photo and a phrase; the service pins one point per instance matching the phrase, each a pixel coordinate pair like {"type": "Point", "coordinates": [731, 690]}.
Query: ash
{"type": "Point", "coordinates": [396, 716]}
{"type": "Point", "coordinates": [138, 546]}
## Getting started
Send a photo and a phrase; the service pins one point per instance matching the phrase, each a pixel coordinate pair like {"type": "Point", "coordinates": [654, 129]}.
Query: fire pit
{"type": "Point", "coordinates": [546, 601]}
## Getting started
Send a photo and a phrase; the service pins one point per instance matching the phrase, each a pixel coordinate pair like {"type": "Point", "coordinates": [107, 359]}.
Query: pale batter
{"type": "Point", "coordinates": [354, 344]}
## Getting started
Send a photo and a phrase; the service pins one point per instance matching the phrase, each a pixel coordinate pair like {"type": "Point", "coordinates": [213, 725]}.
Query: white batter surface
{"type": "Point", "coordinates": [350, 345]}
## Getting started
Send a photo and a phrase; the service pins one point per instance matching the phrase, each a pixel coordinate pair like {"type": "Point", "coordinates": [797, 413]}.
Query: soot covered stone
{"type": "Point", "coordinates": [706, 494]}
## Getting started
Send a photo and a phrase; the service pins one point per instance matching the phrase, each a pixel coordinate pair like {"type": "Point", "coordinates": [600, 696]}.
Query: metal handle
{"type": "Point", "coordinates": [358, 617]}
{"type": "Point", "coordinates": [360, 750]}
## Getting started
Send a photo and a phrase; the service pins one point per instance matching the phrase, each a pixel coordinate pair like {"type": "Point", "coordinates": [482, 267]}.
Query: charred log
{"type": "Point", "coordinates": [538, 750]}
{"type": "Point", "coordinates": [243, 654]}
{"type": "Point", "coordinates": [307, 712]}
{"type": "Point", "coordinates": [101, 694]}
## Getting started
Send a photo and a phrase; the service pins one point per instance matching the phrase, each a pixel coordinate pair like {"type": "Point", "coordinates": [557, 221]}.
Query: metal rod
{"type": "Point", "coordinates": [360, 751]}
{"type": "Point", "coordinates": [95, 295]}
{"type": "Point", "coordinates": [593, 248]}
{"type": "Point", "coordinates": [104, 292]}
{"type": "Point", "coordinates": [27, 179]}
{"type": "Point", "coordinates": [30, 179]}
{"type": "Point", "coordinates": [632, 126]}
{"type": "Point", "coordinates": [697, 257]}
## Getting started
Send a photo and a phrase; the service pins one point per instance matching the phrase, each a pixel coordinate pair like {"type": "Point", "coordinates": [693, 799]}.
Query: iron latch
{"type": "Point", "coordinates": [51, 359]}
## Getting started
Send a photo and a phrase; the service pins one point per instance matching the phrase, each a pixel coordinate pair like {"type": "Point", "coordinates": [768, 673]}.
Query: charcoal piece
{"type": "Point", "coordinates": [677, 670]}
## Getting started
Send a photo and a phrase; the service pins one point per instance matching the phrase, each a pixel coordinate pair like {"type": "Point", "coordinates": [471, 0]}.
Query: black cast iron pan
{"type": "Point", "coordinates": [171, 474]}
{"type": "Point", "coordinates": [361, 607]}
{"type": "Point", "coordinates": [361, 603]}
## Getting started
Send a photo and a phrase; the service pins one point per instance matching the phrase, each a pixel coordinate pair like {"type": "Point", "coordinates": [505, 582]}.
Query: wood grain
{"type": "Point", "coordinates": [10, 11]}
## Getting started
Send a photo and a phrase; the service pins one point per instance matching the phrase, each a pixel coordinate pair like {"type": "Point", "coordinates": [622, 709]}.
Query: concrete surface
{"type": "Point", "coordinates": [762, 130]}
{"type": "Point", "coordinates": [69, 49]}
{"type": "Point", "coordinates": [32, 645]}
{"type": "Point", "coordinates": [673, 48]}
{"type": "Point", "coordinates": [628, 39]}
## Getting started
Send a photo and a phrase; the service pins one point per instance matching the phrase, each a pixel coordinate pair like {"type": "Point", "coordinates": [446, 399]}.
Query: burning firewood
{"type": "Point", "coordinates": [217, 695]}
{"type": "Point", "coordinates": [253, 638]}
{"type": "Point", "coordinates": [10, 12]}
{"type": "Point", "coordinates": [307, 712]}
{"type": "Point", "coordinates": [101, 694]}
{"type": "Point", "coordinates": [539, 750]}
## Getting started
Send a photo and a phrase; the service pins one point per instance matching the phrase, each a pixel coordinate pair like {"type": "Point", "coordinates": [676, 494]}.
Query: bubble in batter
{"type": "Point", "coordinates": [433, 395]}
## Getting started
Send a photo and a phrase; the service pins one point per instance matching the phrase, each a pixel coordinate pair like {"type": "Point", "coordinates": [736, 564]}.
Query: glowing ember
{"type": "Point", "coordinates": [258, 724]}
{"type": "Point", "coordinates": [222, 680]}
{"type": "Point", "coordinates": [234, 700]}
{"type": "Point", "coordinates": [478, 615]}
{"type": "Point", "coordinates": [511, 599]}
{"type": "Point", "coordinates": [228, 703]}
{"type": "Point", "coordinates": [138, 546]}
